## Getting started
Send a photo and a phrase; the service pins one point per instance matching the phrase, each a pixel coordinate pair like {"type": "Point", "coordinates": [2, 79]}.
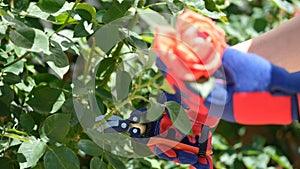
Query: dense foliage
{"type": "Point", "coordinates": [51, 50]}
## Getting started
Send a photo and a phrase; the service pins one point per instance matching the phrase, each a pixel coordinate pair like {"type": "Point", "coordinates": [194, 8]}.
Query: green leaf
{"type": "Point", "coordinates": [41, 42]}
{"type": "Point", "coordinates": [97, 163]}
{"type": "Point", "coordinates": [115, 161]}
{"type": "Point", "coordinates": [23, 37]}
{"type": "Point", "coordinates": [86, 11]}
{"type": "Point", "coordinates": [123, 81]}
{"type": "Point", "coordinates": [57, 126]}
{"type": "Point", "coordinates": [21, 4]}
{"type": "Point", "coordinates": [134, 39]}
{"type": "Point", "coordinates": [60, 101]}
{"type": "Point", "coordinates": [51, 80]}
{"type": "Point", "coordinates": [43, 98]}
{"type": "Point", "coordinates": [175, 6]}
{"type": "Point", "coordinates": [26, 121]}
{"type": "Point", "coordinates": [210, 5]}
{"type": "Point", "coordinates": [259, 142]}
{"type": "Point", "coordinates": [179, 117]}
{"type": "Point", "coordinates": [57, 60]}
{"type": "Point", "coordinates": [36, 12]}
{"type": "Point", "coordinates": [7, 96]}
{"type": "Point", "coordinates": [117, 10]}
{"type": "Point", "coordinates": [106, 67]}
{"type": "Point", "coordinates": [51, 6]}
{"type": "Point", "coordinates": [61, 158]}
{"type": "Point", "coordinates": [107, 37]}
{"type": "Point", "coordinates": [89, 147]}
{"type": "Point", "coordinates": [8, 20]}
{"type": "Point", "coordinates": [57, 56]}
{"type": "Point", "coordinates": [32, 152]}
{"type": "Point", "coordinates": [80, 30]}
{"type": "Point", "coordinates": [104, 94]}
{"type": "Point", "coordinates": [145, 164]}
{"type": "Point", "coordinates": [60, 71]}
{"type": "Point", "coordinates": [260, 24]}
{"type": "Point", "coordinates": [16, 68]}
{"type": "Point", "coordinates": [155, 111]}
{"type": "Point", "coordinates": [11, 78]}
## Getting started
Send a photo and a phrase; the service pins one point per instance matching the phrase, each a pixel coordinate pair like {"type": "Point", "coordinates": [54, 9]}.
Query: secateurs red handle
{"type": "Point", "coordinates": [176, 145]}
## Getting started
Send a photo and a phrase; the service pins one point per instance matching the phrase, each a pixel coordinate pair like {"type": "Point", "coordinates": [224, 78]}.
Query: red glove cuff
{"type": "Point", "coordinates": [261, 108]}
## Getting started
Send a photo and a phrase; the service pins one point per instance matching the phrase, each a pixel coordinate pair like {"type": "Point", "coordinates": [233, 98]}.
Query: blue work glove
{"type": "Point", "coordinates": [246, 72]}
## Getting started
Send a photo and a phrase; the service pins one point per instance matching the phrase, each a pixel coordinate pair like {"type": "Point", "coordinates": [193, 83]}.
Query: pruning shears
{"type": "Point", "coordinates": [143, 132]}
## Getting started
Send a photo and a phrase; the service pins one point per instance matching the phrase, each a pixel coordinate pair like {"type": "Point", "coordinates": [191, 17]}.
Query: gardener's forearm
{"type": "Point", "coordinates": [281, 46]}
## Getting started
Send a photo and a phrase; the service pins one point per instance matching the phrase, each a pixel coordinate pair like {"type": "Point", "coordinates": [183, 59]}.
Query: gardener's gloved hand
{"type": "Point", "coordinates": [196, 48]}
{"type": "Point", "coordinates": [200, 159]}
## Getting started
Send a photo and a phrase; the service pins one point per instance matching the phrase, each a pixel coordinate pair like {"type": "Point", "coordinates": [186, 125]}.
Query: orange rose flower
{"type": "Point", "coordinates": [193, 49]}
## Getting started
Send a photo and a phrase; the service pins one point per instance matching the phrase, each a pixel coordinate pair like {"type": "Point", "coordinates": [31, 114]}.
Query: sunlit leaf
{"type": "Point", "coordinates": [32, 151]}
{"type": "Point", "coordinates": [41, 42]}
{"type": "Point", "coordinates": [86, 11]}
